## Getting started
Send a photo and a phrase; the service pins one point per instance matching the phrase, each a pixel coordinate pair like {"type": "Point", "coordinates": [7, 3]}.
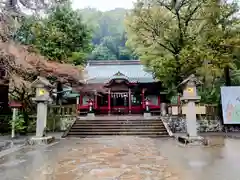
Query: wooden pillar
{"type": "Point", "coordinates": [143, 99]}
{"type": "Point", "coordinates": [129, 101]}
{"type": "Point", "coordinates": [159, 100]}
{"type": "Point", "coordinates": [95, 101]}
{"type": "Point", "coordinates": [80, 99]}
{"type": "Point", "coordinates": [109, 101]}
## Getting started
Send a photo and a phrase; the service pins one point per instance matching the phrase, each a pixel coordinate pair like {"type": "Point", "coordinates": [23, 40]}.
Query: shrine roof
{"type": "Point", "coordinates": [102, 71]}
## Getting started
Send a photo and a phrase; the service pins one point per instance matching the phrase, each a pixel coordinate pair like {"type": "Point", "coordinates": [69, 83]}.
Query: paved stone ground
{"type": "Point", "coordinates": [7, 144]}
{"type": "Point", "coordinates": [124, 158]}
{"type": "Point", "coordinates": [115, 158]}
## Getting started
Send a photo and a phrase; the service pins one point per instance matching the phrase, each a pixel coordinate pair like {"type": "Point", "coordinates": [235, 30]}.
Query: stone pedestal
{"type": "Point", "coordinates": [193, 141]}
{"type": "Point", "coordinates": [147, 115]}
{"type": "Point", "coordinates": [41, 140]}
{"type": "Point", "coordinates": [191, 120]}
{"type": "Point", "coordinates": [90, 115]}
{"type": "Point", "coordinates": [41, 118]}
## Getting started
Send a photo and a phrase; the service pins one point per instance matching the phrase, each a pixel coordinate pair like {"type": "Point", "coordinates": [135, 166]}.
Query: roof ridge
{"type": "Point", "coordinates": [113, 62]}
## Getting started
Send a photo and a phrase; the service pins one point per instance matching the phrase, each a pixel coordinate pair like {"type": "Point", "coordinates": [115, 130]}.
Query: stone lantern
{"type": "Point", "coordinates": [90, 114]}
{"type": "Point", "coordinates": [190, 97]}
{"type": "Point", "coordinates": [43, 88]}
{"type": "Point", "coordinates": [147, 113]}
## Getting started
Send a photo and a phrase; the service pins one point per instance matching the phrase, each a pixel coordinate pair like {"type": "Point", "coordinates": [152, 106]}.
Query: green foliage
{"type": "Point", "coordinates": [19, 124]}
{"type": "Point", "coordinates": [177, 38]}
{"type": "Point", "coordinates": [101, 52]}
{"type": "Point", "coordinates": [109, 35]}
{"type": "Point", "coordinates": [60, 36]}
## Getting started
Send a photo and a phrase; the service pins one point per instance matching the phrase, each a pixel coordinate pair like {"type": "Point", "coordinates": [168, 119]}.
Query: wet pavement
{"type": "Point", "coordinates": [124, 158]}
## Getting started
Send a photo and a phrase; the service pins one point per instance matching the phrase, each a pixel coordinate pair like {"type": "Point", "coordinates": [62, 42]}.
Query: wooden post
{"type": "Point", "coordinates": [159, 100]}
{"type": "Point", "coordinates": [129, 101]}
{"type": "Point", "coordinates": [80, 100]}
{"type": "Point", "coordinates": [95, 102]}
{"type": "Point", "coordinates": [143, 99]}
{"type": "Point", "coordinates": [109, 101]}
{"type": "Point", "coordinates": [14, 117]}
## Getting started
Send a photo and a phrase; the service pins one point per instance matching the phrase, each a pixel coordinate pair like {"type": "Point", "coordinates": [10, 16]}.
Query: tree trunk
{"type": "Point", "coordinates": [227, 76]}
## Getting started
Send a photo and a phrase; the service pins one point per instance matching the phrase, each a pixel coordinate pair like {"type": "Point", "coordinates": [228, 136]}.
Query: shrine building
{"type": "Point", "coordinates": [120, 87]}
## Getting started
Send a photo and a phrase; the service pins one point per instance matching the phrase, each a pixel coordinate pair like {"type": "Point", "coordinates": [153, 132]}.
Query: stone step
{"type": "Point", "coordinates": [97, 136]}
{"type": "Point", "coordinates": [118, 123]}
{"type": "Point", "coordinates": [112, 124]}
{"type": "Point", "coordinates": [122, 120]}
{"type": "Point", "coordinates": [116, 130]}
{"type": "Point", "coordinates": [117, 127]}
{"type": "Point", "coordinates": [117, 133]}
{"type": "Point", "coordinates": [137, 127]}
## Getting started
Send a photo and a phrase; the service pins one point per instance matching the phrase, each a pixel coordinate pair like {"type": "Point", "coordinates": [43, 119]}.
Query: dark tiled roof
{"type": "Point", "coordinates": [103, 71]}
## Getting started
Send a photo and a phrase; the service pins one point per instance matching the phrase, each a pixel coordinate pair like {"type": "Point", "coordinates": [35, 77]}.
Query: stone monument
{"type": "Point", "coordinates": [43, 88]}
{"type": "Point", "coordinates": [190, 97]}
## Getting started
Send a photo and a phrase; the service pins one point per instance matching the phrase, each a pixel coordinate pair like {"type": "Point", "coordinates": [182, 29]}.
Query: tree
{"type": "Point", "coordinates": [101, 52]}
{"type": "Point", "coordinates": [12, 13]}
{"type": "Point", "coordinates": [61, 36]}
{"type": "Point", "coordinates": [177, 38]}
{"type": "Point", "coordinates": [108, 34]}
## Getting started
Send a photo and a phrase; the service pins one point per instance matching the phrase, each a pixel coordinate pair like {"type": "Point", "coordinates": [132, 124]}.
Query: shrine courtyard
{"type": "Point", "coordinates": [124, 157]}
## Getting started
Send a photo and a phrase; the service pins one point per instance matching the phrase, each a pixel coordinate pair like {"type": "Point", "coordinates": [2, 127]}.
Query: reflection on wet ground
{"type": "Point", "coordinates": [124, 158]}
{"type": "Point", "coordinates": [219, 161]}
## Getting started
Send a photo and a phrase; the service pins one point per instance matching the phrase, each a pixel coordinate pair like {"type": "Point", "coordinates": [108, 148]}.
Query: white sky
{"type": "Point", "coordinates": [103, 5]}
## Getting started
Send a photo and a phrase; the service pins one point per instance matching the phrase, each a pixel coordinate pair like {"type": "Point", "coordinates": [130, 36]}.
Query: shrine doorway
{"type": "Point", "coordinates": [119, 102]}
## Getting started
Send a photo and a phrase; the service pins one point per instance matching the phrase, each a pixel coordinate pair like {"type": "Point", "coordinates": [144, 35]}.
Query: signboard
{"type": "Point", "coordinates": [230, 97]}
{"type": "Point", "coordinates": [174, 100]}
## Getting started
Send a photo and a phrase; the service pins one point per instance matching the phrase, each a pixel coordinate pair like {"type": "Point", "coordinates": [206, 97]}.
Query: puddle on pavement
{"type": "Point", "coordinates": [197, 164]}
{"type": "Point", "coordinates": [12, 163]}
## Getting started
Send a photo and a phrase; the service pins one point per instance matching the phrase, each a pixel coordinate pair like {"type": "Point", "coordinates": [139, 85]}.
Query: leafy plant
{"type": "Point", "coordinates": [18, 124]}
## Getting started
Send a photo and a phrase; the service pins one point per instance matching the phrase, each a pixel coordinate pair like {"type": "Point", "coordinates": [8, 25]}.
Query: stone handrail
{"type": "Point", "coordinates": [166, 126]}
{"type": "Point", "coordinates": [68, 129]}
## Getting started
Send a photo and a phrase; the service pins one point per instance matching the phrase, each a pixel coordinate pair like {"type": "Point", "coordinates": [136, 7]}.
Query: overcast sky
{"type": "Point", "coordinates": [102, 5]}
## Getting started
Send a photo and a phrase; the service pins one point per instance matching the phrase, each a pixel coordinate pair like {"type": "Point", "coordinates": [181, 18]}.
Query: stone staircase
{"type": "Point", "coordinates": [126, 126]}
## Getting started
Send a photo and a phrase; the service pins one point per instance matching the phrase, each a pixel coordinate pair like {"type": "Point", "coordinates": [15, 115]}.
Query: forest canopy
{"type": "Point", "coordinates": [177, 38]}
{"type": "Point", "coordinates": [173, 39]}
{"type": "Point", "coordinates": [90, 34]}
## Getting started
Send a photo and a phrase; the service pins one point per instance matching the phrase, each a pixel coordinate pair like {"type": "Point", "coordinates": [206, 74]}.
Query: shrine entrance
{"type": "Point", "coordinates": [120, 102]}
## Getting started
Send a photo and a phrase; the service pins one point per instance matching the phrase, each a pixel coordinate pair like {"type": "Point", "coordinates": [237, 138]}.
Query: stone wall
{"type": "Point", "coordinates": [178, 124]}
{"type": "Point", "coordinates": [66, 122]}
